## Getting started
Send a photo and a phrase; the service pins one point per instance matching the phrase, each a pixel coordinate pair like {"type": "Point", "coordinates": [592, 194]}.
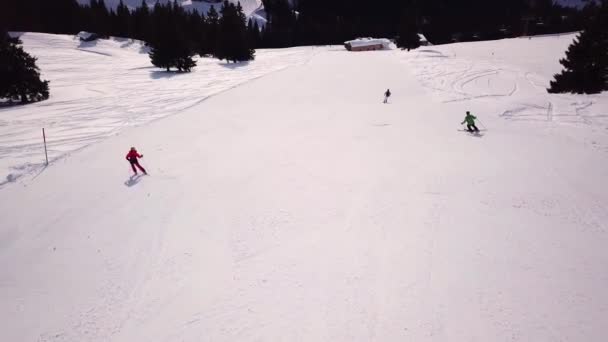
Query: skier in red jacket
{"type": "Point", "coordinates": [132, 158]}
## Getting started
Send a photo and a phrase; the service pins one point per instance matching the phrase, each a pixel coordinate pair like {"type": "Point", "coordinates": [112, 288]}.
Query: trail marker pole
{"type": "Point", "coordinates": [46, 155]}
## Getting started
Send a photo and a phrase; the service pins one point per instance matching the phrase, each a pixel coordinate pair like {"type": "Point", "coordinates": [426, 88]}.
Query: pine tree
{"type": "Point", "coordinates": [253, 32]}
{"type": "Point", "coordinates": [122, 22]}
{"type": "Point", "coordinates": [169, 49]}
{"type": "Point", "coordinates": [212, 33]}
{"type": "Point", "coordinates": [586, 62]}
{"type": "Point", "coordinates": [19, 75]}
{"type": "Point", "coordinates": [184, 61]}
{"type": "Point", "coordinates": [250, 30]}
{"type": "Point", "coordinates": [408, 30]}
{"type": "Point", "coordinates": [160, 55]}
{"type": "Point", "coordinates": [233, 44]}
{"type": "Point", "coordinates": [141, 22]}
{"type": "Point", "coordinates": [59, 16]}
{"type": "Point", "coordinates": [244, 51]}
{"type": "Point", "coordinates": [281, 23]}
{"type": "Point", "coordinates": [100, 23]}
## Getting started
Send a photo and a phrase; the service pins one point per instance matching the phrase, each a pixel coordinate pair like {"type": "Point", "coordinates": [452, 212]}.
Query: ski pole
{"type": "Point", "coordinates": [482, 125]}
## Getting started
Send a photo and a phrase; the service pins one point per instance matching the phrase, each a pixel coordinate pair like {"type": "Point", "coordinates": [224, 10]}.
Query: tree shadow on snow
{"type": "Point", "coordinates": [87, 44]}
{"type": "Point", "coordinates": [234, 65]}
{"type": "Point", "coordinates": [10, 103]}
{"type": "Point", "coordinates": [125, 42]}
{"type": "Point", "coordinates": [133, 180]}
{"type": "Point", "coordinates": [144, 48]}
{"type": "Point", "coordinates": [158, 74]}
{"type": "Point", "coordinates": [143, 68]}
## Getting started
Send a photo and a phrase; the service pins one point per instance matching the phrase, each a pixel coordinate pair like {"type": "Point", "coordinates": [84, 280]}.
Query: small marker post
{"type": "Point", "coordinates": [46, 156]}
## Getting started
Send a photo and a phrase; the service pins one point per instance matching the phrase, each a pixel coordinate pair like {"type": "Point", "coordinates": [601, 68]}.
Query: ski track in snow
{"type": "Point", "coordinates": [481, 72]}
{"type": "Point", "coordinates": [100, 88]}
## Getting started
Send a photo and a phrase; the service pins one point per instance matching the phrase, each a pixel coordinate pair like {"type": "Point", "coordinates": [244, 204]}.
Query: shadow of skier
{"type": "Point", "coordinates": [133, 180]}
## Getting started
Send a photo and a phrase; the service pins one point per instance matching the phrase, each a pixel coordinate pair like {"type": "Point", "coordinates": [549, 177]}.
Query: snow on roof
{"type": "Point", "coordinates": [84, 35]}
{"type": "Point", "coordinates": [369, 41]}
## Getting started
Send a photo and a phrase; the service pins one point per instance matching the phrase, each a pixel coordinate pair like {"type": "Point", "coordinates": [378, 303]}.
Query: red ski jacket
{"type": "Point", "coordinates": [133, 155]}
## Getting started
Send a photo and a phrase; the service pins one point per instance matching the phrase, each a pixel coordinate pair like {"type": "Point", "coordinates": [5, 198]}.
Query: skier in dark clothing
{"type": "Point", "coordinates": [387, 94]}
{"type": "Point", "coordinates": [132, 158]}
{"type": "Point", "coordinates": [470, 120]}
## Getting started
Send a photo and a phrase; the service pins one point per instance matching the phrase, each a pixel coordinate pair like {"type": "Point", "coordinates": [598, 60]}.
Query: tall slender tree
{"type": "Point", "coordinates": [253, 31]}
{"type": "Point", "coordinates": [212, 34]}
{"type": "Point", "coordinates": [234, 43]}
{"type": "Point", "coordinates": [281, 23]}
{"type": "Point", "coordinates": [586, 62]}
{"type": "Point", "coordinates": [141, 22]}
{"type": "Point", "coordinates": [122, 23]}
{"type": "Point", "coordinates": [169, 48]}
{"type": "Point", "coordinates": [408, 30]}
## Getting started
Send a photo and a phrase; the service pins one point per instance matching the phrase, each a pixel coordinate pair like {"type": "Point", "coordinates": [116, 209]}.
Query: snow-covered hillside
{"type": "Point", "coordinates": [513, 75]}
{"type": "Point", "coordinates": [298, 207]}
{"type": "Point", "coordinates": [103, 87]}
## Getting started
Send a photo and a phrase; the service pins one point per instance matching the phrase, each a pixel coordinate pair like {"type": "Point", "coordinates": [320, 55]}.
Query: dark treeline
{"type": "Point", "coordinates": [165, 27]}
{"type": "Point", "coordinates": [333, 21]}
{"type": "Point", "coordinates": [303, 22]}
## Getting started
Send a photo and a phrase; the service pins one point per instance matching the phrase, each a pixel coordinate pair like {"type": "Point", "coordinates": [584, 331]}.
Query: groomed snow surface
{"type": "Point", "coordinates": [101, 87]}
{"type": "Point", "coordinates": [298, 207]}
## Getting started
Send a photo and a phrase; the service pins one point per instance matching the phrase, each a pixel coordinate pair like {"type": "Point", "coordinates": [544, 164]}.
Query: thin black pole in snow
{"type": "Point", "coordinates": [45, 153]}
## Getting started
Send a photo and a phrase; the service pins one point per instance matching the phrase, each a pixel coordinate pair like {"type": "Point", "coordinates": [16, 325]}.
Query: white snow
{"type": "Point", "coordinates": [423, 40]}
{"type": "Point", "coordinates": [386, 44]}
{"type": "Point", "coordinates": [84, 35]}
{"type": "Point", "coordinates": [298, 207]}
{"type": "Point", "coordinates": [508, 79]}
{"type": "Point", "coordinates": [99, 88]}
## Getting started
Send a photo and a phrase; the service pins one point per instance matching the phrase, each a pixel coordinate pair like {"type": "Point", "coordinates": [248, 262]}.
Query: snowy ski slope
{"type": "Point", "coordinates": [512, 74]}
{"type": "Point", "coordinates": [298, 207]}
{"type": "Point", "coordinates": [102, 87]}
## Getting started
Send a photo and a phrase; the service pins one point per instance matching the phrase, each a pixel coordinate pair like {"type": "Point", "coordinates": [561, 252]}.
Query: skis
{"type": "Point", "coordinates": [473, 133]}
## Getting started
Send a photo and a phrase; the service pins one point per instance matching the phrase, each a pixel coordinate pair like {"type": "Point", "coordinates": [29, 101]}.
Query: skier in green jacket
{"type": "Point", "coordinates": [470, 120]}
